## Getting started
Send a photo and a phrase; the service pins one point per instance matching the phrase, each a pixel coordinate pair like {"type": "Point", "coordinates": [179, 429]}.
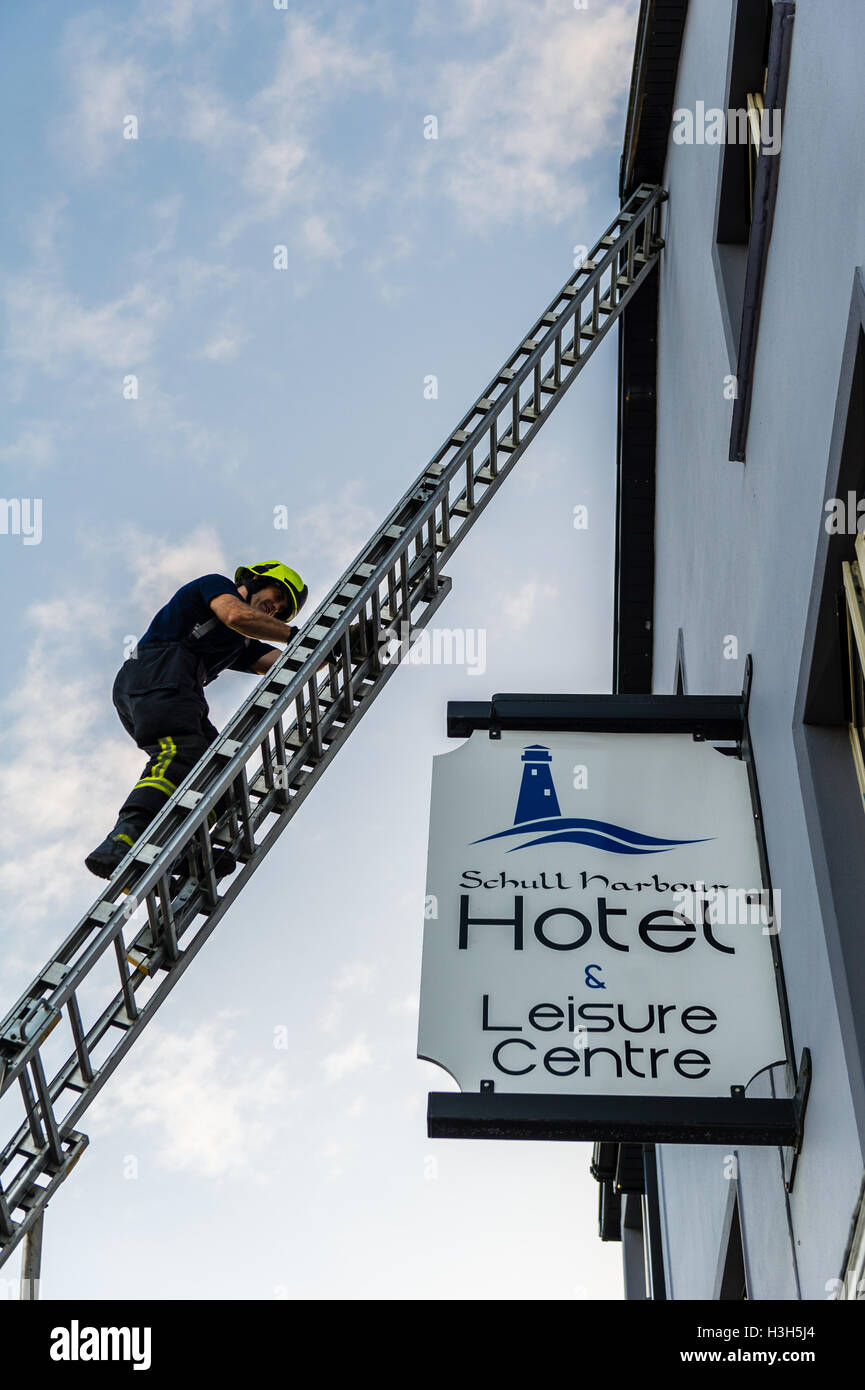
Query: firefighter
{"type": "Point", "coordinates": [210, 625]}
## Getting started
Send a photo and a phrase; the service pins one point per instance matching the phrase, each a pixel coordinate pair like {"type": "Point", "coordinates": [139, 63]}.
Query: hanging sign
{"type": "Point", "coordinates": [595, 922]}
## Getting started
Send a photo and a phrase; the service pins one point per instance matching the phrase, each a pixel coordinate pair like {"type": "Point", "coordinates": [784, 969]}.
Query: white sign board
{"type": "Point", "coordinates": [593, 923]}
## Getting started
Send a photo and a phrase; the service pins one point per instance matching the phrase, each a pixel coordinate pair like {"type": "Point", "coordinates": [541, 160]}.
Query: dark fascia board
{"type": "Point", "coordinates": [710, 716]}
{"type": "Point", "coordinates": [660, 27]}
{"type": "Point", "coordinates": [660, 30]}
{"type": "Point", "coordinates": [636, 427]}
{"type": "Point", "coordinates": [623, 1119]}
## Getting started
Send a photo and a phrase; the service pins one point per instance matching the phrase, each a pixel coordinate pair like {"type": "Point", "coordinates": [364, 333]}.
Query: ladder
{"type": "Point", "coordinates": [80, 1016]}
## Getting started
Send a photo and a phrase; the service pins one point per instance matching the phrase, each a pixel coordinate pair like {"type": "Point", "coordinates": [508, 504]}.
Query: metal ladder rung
{"type": "Point", "coordinates": [103, 912]}
{"type": "Point", "coordinates": [189, 800]}
{"type": "Point", "coordinates": [146, 853]}
{"type": "Point", "coordinates": [139, 959]}
{"type": "Point", "coordinates": [229, 747]}
{"type": "Point", "coordinates": [54, 973]}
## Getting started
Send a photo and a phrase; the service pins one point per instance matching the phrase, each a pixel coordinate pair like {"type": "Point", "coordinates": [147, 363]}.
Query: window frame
{"type": "Point", "coordinates": [765, 193]}
{"type": "Point", "coordinates": [854, 654]}
{"type": "Point", "coordinates": [830, 787]}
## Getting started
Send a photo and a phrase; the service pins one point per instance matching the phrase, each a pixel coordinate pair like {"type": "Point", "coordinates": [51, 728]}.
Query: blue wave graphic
{"type": "Point", "coordinates": [598, 834]}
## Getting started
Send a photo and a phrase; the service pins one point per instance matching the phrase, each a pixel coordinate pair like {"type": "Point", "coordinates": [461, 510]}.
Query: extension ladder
{"type": "Point", "coordinates": [80, 1016]}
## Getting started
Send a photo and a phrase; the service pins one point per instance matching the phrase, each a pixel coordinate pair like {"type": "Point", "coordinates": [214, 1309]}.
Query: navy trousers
{"type": "Point", "coordinates": [159, 697]}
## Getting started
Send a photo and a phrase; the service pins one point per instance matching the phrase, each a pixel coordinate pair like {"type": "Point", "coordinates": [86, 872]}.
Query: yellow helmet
{"type": "Point", "coordinates": [271, 572]}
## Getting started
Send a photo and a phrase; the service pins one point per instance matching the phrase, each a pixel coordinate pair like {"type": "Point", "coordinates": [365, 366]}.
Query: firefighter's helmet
{"type": "Point", "coordinates": [271, 572]}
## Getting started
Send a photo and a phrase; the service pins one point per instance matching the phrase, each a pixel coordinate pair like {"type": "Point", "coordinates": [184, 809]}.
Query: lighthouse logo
{"type": "Point", "coordinates": [538, 815]}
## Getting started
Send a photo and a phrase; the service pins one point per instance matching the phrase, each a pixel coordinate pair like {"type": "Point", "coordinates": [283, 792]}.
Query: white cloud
{"type": "Point", "coordinates": [270, 172]}
{"type": "Point", "coordinates": [165, 220]}
{"type": "Point", "coordinates": [209, 1111]}
{"type": "Point", "coordinates": [58, 770]}
{"type": "Point", "coordinates": [353, 1058]}
{"type": "Point", "coordinates": [334, 532]}
{"type": "Point", "coordinates": [45, 229]}
{"type": "Point", "coordinates": [47, 324]}
{"type": "Point", "coordinates": [106, 86]}
{"type": "Point", "coordinates": [356, 978]}
{"type": "Point", "coordinates": [220, 452]}
{"type": "Point", "coordinates": [315, 67]}
{"type": "Point", "coordinates": [225, 347]}
{"type": "Point", "coordinates": [408, 1005]}
{"type": "Point", "coordinates": [319, 240]}
{"type": "Point", "coordinates": [513, 125]}
{"type": "Point", "coordinates": [520, 608]}
{"type": "Point", "coordinates": [159, 567]}
{"type": "Point", "coordinates": [333, 1152]}
{"type": "Point", "coordinates": [267, 143]}
{"type": "Point", "coordinates": [395, 248]}
{"type": "Point", "coordinates": [35, 447]}
{"type": "Point", "coordinates": [180, 18]}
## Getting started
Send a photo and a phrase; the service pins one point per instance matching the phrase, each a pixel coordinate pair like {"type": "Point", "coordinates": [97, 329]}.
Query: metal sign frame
{"type": "Point", "coordinates": [737, 1119]}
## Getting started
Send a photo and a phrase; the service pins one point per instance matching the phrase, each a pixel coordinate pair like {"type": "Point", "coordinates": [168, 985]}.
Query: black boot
{"type": "Point", "coordinates": [103, 860]}
{"type": "Point", "coordinates": [224, 864]}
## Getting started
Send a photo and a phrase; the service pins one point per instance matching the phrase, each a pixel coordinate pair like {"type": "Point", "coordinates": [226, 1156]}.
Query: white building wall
{"type": "Point", "coordinates": [735, 548]}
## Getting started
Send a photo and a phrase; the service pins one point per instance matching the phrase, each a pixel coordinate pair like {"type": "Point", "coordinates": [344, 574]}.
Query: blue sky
{"type": "Point", "coordinates": [232, 1168]}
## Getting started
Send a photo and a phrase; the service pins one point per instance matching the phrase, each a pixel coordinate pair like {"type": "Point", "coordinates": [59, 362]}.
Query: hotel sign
{"type": "Point", "coordinates": [595, 922]}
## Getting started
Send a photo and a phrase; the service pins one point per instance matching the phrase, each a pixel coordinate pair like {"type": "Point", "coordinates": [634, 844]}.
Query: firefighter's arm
{"type": "Point", "coordinates": [240, 617]}
{"type": "Point", "coordinates": [265, 662]}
